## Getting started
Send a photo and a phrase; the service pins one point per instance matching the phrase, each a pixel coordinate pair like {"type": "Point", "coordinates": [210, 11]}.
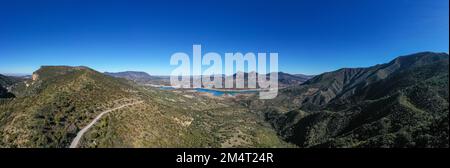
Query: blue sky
{"type": "Point", "coordinates": [311, 36]}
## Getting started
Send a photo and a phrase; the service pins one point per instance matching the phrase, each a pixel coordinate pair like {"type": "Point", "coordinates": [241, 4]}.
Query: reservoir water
{"type": "Point", "coordinates": [227, 92]}
{"type": "Point", "coordinates": [213, 92]}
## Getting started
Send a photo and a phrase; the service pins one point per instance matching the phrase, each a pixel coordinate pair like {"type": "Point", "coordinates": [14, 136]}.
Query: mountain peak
{"type": "Point", "coordinates": [420, 58]}
{"type": "Point", "coordinates": [47, 71]}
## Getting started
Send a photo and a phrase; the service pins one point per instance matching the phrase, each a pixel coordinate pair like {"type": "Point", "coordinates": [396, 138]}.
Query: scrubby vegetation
{"type": "Point", "coordinates": [403, 103]}
{"type": "Point", "coordinates": [60, 100]}
{"type": "Point", "coordinates": [168, 119]}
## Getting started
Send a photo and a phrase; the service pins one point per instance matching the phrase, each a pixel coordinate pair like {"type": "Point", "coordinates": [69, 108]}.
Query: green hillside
{"type": "Point", "coordinates": [403, 103]}
{"type": "Point", "coordinates": [50, 108]}
{"type": "Point", "coordinates": [59, 101]}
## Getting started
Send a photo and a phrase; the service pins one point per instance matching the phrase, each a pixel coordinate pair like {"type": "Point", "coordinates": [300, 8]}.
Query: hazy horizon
{"type": "Point", "coordinates": [154, 74]}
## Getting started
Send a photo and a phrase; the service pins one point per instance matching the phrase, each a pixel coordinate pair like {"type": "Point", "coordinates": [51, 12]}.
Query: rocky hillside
{"type": "Point", "coordinates": [59, 101]}
{"type": "Point", "coordinates": [403, 103]}
{"type": "Point", "coordinates": [55, 103]}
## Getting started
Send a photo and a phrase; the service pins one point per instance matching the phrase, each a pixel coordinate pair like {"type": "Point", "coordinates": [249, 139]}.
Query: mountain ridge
{"type": "Point", "coordinates": [402, 103]}
{"type": "Point", "coordinates": [339, 108]}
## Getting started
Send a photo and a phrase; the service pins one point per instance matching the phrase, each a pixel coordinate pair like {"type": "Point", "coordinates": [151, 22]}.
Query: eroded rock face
{"type": "Point", "coordinates": [34, 77]}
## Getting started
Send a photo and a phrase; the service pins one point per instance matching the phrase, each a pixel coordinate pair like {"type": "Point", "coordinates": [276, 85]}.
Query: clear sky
{"type": "Point", "coordinates": [311, 36]}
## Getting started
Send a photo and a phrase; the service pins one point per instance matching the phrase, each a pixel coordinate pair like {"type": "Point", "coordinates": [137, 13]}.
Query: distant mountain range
{"type": "Point", "coordinates": [141, 77]}
{"type": "Point", "coordinates": [284, 79]}
{"type": "Point", "coordinates": [403, 103]}
{"type": "Point", "coordinates": [131, 75]}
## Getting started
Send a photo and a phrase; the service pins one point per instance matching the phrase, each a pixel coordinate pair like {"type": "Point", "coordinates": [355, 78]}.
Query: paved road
{"type": "Point", "coordinates": [77, 139]}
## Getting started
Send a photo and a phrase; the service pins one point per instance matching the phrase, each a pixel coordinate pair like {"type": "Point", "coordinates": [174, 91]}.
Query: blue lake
{"type": "Point", "coordinates": [220, 93]}
{"type": "Point", "coordinates": [213, 92]}
{"type": "Point", "coordinates": [166, 88]}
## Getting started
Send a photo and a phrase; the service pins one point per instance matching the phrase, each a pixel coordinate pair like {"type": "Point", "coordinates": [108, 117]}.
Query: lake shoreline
{"type": "Point", "coordinates": [214, 89]}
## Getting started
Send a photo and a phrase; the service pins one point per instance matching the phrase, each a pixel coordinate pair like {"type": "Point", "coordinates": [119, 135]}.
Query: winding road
{"type": "Point", "coordinates": [80, 134]}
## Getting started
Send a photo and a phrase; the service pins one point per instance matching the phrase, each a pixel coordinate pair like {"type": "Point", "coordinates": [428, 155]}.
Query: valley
{"type": "Point", "coordinates": [402, 103]}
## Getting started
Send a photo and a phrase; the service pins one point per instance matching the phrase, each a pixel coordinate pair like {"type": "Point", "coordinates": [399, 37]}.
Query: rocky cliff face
{"type": "Point", "coordinates": [34, 77]}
